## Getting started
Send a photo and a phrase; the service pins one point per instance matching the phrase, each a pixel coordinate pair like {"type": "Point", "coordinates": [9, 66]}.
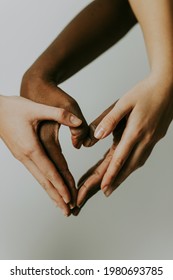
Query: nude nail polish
{"type": "Point", "coordinates": [99, 133]}
{"type": "Point", "coordinates": [75, 120]}
{"type": "Point", "coordinates": [66, 200]}
{"type": "Point", "coordinates": [106, 191]}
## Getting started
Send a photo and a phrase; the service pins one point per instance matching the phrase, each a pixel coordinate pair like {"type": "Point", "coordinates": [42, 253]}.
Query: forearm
{"type": "Point", "coordinates": [100, 25]}
{"type": "Point", "coordinates": [156, 20]}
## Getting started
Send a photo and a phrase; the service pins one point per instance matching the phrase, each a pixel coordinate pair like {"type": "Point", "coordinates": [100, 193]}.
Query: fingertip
{"type": "Point", "coordinates": [87, 142]}
{"type": "Point", "coordinates": [107, 192]}
{"type": "Point", "coordinates": [75, 121]}
{"type": "Point", "coordinates": [99, 132]}
{"type": "Point", "coordinates": [76, 211]}
{"type": "Point", "coordinates": [72, 205]}
{"type": "Point", "coordinates": [76, 143]}
{"type": "Point", "coordinates": [80, 200]}
{"type": "Point", "coordinates": [65, 213]}
{"type": "Point", "coordinates": [67, 199]}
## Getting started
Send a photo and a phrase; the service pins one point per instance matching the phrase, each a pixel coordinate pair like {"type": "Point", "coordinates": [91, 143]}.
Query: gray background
{"type": "Point", "coordinates": [136, 221]}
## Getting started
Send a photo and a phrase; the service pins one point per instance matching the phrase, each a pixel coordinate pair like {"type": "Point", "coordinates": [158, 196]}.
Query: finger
{"type": "Point", "coordinates": [88, 173]}
{"type": "Point", "coordinates": [111, 120]}
{"type": "Point", "coordinates": [39, 157]}
{"type": "Point", "coordinates": [91, 140]}
{"type": "Point", "coordinates": [79, 133]}
{"type": "Point", "coordinates": [128, 140]}
{"type": "Point", "coordinates": [90, 182]}
{"type": "Point", "coordinates": [138, 157]}
{"type": "Point", "coordinates": [65, 101]}
{"type": "Point", "coordinates": [49, 138]}
{"type": "Point", "coordinates": [52, 192]}
{"type": "Point", "coordinates": [44, 112]}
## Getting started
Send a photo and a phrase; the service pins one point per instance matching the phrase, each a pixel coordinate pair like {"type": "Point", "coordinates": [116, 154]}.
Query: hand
{"type": "Point", "coordinates": [89, 183]}
{"type": "Point", "coordinates": [19, 121]}
{"type": "Point", "coordinates": [147, 112]}
{"type": "Point", "coordinates": [44, 90]}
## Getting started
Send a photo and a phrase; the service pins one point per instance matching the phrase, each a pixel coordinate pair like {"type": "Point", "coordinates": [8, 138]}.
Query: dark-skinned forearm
{"type": "Point", "coordinates": [95, 29]}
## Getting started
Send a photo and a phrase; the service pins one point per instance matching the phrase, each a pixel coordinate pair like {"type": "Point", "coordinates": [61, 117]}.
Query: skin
{"type": "Point", "coordinates": [102, 24]}
{"type": "Point", "coordinates": [23, 125]}
{"type": "Point", "coordinates": [93, 31]}
{"type": "Point", "coordinates": [147, 107]}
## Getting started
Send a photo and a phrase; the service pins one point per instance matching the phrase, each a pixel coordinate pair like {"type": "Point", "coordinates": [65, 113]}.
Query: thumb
{"type": "Point", "coordinates": [111, 120]}
{"type": "Point", "coordinates": [91, 140]}
{"type": "Point", "coordinates": [62, 116]}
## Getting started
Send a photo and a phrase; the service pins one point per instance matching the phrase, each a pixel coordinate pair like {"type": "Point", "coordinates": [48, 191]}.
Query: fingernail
{"type": "Point", "coordinates": [72, 206]}
{"type": "Point", "coordinates": [87, 142]}
{"type": "Point", "coordinates": [106, 191]}
{"type": "Point", "coordinates": [81, 204]}
{"type": "Point", "coordinates": [99, 133]}
{"type": "Point", "coordinates": [66, 200]}
{"type": "Point", "coordinates": [75, 120]}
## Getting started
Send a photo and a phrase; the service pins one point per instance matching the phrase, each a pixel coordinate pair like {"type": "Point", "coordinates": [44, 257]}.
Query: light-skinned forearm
{"type": "Point", "coordinates": [156, 20]}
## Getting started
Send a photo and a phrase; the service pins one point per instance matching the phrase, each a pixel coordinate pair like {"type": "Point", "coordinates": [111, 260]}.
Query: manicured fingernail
{"type": "Point", "coordinates": [99, 132]}
{"type": "Point", "coordinates": [66, 200]}
{"type": "Point", "coordinates": [106, 191]}
{"type": "Point", "coordinates": [72, 206]}
{"type": "Point", "coordinates": [81, 204]}
{"type": "Point", "coordinates": [75, 120]}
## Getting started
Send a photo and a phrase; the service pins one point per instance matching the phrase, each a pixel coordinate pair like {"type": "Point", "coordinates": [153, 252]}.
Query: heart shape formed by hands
{"type": "Point", "coordinates": [90, 182]}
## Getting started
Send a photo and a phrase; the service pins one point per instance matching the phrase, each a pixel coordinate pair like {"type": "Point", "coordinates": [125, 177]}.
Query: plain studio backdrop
{"type": "Point", "coordinates": [136, 221]}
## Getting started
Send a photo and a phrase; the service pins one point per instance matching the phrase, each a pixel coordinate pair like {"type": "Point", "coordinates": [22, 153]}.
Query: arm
{"type": "Point", "coordinates": [147, 108]}
{"type": "Point", "coordinates": [99, 26]}
{"type": "Point", "coordinates": [156, 20]}
{"type": "Point", "coordinates": [94, 30]}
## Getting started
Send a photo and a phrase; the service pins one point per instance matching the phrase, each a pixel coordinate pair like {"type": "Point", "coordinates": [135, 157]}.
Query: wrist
{"type": "Point", "coordinates": [34, 82]}
{"type": "Point", "coordinates": [162, 78]}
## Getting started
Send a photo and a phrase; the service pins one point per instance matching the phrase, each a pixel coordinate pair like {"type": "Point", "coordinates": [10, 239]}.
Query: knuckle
{"type": "Point", "coordinates": [51, 176]}
{"type": "Point", "coordinates": [44, 185]}
{"type": "Point", "coordinates": [71, 104]}
{"type": "Point", "coordinates": [137, 133]}
{"type": "Point", "coordinates": [61, 113]}
{"type": "Point", "coordinates": [96, 173]}
{"type": "Point", "coordinates": [28, 152]}
{"type": "Point", "coordinates": [149, 138]}
{"type": "Point", "coordinates": [18, 156]}
{"type": "Point", "coordinates": [86, 187]}
{"type": "Point", "coordinates": [119, 162]}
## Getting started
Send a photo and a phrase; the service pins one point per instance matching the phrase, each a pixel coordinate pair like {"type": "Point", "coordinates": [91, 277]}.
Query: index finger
{"type": "Point", "coordinates": [48, 135]}
{"type": "Point", "coordinates": [39, 157]}
{"type": "Point", "coordinates": [127, 142]}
